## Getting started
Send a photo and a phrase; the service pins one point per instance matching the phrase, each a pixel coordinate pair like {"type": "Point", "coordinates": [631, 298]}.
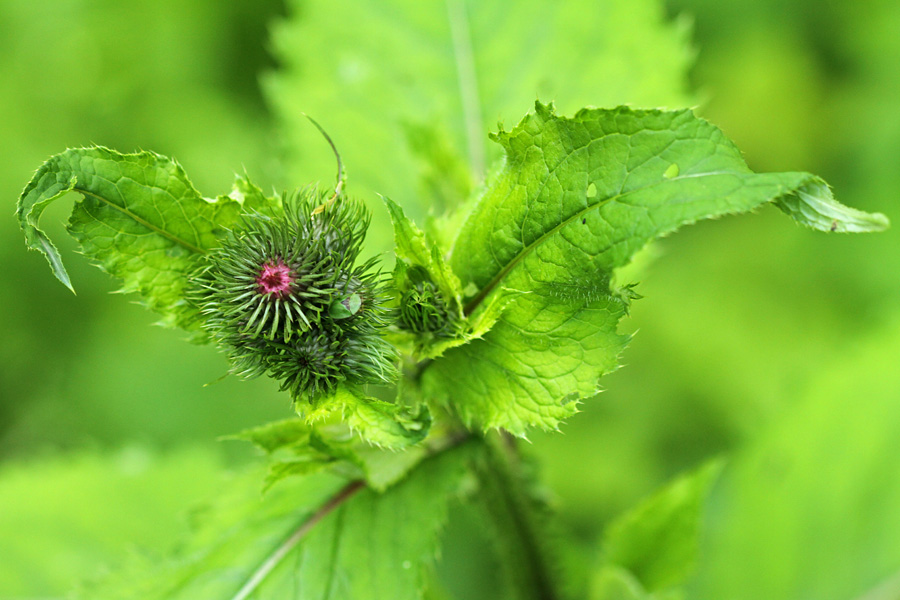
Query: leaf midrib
{"type": "Point", "coordinates": [495, 281]}
{"type": "Point", "coordinates": [141, 221]}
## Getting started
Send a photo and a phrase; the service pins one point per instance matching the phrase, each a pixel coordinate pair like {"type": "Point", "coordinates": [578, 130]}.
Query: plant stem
{"type": "Point", "coordinates": [512, 512]}
{"type": "Point", "coordinates": [468, 84]}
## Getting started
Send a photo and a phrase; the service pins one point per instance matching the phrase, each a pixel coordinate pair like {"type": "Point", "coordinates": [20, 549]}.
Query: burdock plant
{"type": "Point", "coordinates": [509, 328]}
{"type": "Point", "coordinates": [285, 296]}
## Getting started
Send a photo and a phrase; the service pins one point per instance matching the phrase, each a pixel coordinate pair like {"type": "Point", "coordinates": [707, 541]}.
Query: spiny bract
{"type": "Point", "coordinates": [284, 296]}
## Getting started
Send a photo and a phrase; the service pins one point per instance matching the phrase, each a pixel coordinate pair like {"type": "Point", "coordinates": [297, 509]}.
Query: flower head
{"type": "Point", "coordinates": [275, 279]}
{"type": "Point", "coordinates": [284, 297]}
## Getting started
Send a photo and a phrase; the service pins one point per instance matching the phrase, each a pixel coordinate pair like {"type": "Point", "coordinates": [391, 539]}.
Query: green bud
{"type": "Point", "coordinates": [422, 308]}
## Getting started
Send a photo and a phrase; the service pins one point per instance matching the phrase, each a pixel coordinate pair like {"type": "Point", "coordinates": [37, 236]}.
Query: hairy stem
{"type": "Point", "coordinates": [513, 513]}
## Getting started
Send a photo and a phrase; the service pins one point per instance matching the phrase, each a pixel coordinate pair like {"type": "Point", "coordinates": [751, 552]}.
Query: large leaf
{"type": "Point", "coordinates": [314, 537]}
{"type": "Point", "coordinates": [140, 218]}
{"type": "Point", "coordinates": [384, 76]}
{"type": "Point", "coordinates": [809, 507]}
{"type": "Point", "coordinates": [64, 518]}
{"type": "Point", "coordinates": [576, 199]}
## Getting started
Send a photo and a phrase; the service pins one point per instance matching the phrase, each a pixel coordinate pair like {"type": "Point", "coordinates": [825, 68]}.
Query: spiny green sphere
{"type": "Point", "coordinates": [284, 296]}
{"type": "Point", "coordinates": [422, 309]}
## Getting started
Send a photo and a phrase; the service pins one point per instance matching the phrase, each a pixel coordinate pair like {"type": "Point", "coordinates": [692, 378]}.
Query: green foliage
{"type": "Point", "coordinates": [64, 519]}
{"type": "Point", "coordinates": [657, 541]}
{"type": "Point", "coordinates": [508, 327]}
{"type": "Point", "coordinates": [576, 199]}
{"type": "Point", "coordinates": [140, 219]}
{"type": "Point", "coordinates": [296, 447]}
{"type": "Point", "coordinates": [829, 458]}
{"type": "Point", "coordinates": [400, 71]}
{"type": "Point", "coordinates": [311, 537]}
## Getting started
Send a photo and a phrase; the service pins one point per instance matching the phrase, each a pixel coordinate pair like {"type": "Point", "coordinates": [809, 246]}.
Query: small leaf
{"type": "Point", "coordinates": [299, 448]}
{"type": "Point", "coordinates": [140, 219]}
{"type": "Point", "coordinates": [252, 199]}
{"type": "Point", "coordinates": [345, 307]}
{"type": "Point", "coordinates": [290, 468]}
{"type": "Point", "coordinates": [275, 435]}
{"type": "Point", "coordinates": [615, 583]}
{"type": "Point", "coordinates": [658, 540]}
{"type": "Point", "coordinates": [383, 423]}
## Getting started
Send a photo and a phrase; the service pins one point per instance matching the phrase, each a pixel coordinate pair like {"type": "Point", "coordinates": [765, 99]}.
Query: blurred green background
{"type": "Point", "coordinates": [767, 343]}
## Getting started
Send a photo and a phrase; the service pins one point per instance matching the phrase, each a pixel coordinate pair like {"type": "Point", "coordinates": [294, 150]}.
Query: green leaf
{"type": "Point", "coordinates": [615, 583]}
{"type": "Point", "coordinates": [68, 517]}
{"type": "Point", "coordinates": [453, 69]}
{"type": "Point", "coordinates": [808, 508]}
{"type": "Point", "coordinates": [313, 537]}
{"type": "Point", "coordinates": [345, 308]}
{"type": "Point", "coordinates": [576, 199]}
{"type": "Point", "coordinates": [252, 199]}
{"type": "Point", "coordinates": [658, 540]}
{"type": "Point", "coordinates": [381, 423]}
{"type": "Point", "coordinates": [140, 219]}
{"type": "Point", "coordinates": [275, 435]}
{"type": "Point", "coordinates": [298, 448]}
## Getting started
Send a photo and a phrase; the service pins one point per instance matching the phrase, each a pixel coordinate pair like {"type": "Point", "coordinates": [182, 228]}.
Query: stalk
{"type": "Point", "coordinates": [513, 513]}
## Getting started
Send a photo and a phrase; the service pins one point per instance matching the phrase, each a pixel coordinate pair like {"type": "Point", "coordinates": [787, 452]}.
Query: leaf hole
{"type": "Point", "coordinates": [591, 191]}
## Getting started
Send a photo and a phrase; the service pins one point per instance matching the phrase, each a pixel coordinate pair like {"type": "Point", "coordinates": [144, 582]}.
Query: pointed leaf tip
{"type": "Point", "coordinates": [813, 205]}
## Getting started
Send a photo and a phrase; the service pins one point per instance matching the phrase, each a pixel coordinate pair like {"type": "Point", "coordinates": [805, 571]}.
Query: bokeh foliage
{"type": "Point", "coordinates": [757, 339]}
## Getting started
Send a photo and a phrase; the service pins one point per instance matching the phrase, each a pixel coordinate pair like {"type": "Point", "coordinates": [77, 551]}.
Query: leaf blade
{"type": "Point", "coordinates": [658, 540]}
{"type": "Point", "coordinates": [139, 218]}
{"type": "Point", "coordinates": [399, 65]}
{"type": "Point", "coordinates": [576, 199]}
{"type": "Point", "coordinates": [316, 537]}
